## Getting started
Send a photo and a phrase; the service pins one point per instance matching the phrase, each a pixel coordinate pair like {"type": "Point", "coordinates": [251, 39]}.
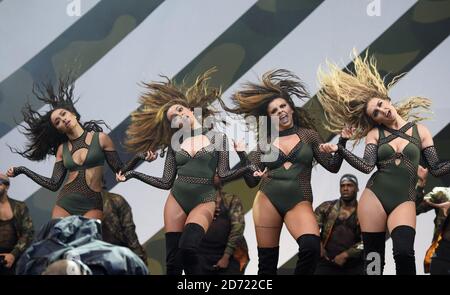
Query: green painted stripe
{"type": "Point", "coordinates": [75, 50]}
{"type": "Point", "coordinates": [402, 46]}
{"type": "Point", "coordinates": [234, 52]}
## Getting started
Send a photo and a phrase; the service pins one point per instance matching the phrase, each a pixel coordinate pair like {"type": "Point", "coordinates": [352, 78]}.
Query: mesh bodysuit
{"type": "Point", "coordinates": [76, 197]}
{"type": "Point", "coordinates": [286, 187]}
{"type": "Point", "coordinates": [194, 184]}
{"type": "Point", "coordinates": [395, 179]}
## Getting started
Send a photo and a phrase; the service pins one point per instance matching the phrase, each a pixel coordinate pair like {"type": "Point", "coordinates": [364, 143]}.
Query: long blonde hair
{"type": "Point", "coordinates": [150, 129]}
{"type": "Point", "coordinates": [344, 96]}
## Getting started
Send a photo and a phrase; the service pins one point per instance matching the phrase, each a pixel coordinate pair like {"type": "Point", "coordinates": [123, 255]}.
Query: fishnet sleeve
{"type": "Point", "coordinates": [116, 165]}
{"type": "Point", "coordinates": [330, 162]}
{"type": "Point", "coordinates": [53, 183]}
{"type": "Point", "coordinates": [437, 168]}
{"type": "Point", "coordinates": [164, 182]}
{"type": "Point", "coordinates": [223, 168]}
{"type": "Point", "coordinates": [254, 158]}
{"type": "Point", "coordinates": [367, 163]}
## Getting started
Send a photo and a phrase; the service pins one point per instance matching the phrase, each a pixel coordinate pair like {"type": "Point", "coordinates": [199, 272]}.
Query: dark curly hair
{"type": "Point", "coordinates": [254, 98]}
{"type": "Point", "coordinates": [43, 138]}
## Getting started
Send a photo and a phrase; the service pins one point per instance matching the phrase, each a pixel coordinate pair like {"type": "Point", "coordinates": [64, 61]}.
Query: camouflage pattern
{"type": "Point", "coordinates": [233, 53]}
{"type": "Point", "coordinates": [401, 47]}
{"type": "Point", "coordinates": [74, 51]}
{"type": "Point", "coordinates": [23, 225]}
{"type": "Point", "coordinates": [237, 219]}
{"type": "Point", "coordinates": [423, 207]}
{"type": "Point", "coordinates": [326, 215]}
{"type": "Point", "coordinates": [236, 245]}
{"type": "Point", "coordinates": [118, 221]}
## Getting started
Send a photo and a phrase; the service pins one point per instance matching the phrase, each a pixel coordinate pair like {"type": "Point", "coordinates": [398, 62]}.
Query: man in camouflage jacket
{"type": "Point", "coordinates": [340, 232]}
{"type": "Point", "coordinates": [224, 249]}
{"type": "Point", "coordinates": [118, 226]}
{"type": "Point", "coordinates": [16, 228]}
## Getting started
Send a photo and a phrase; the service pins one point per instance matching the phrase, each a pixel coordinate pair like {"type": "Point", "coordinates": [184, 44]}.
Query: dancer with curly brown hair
{"type": "Point", "coordinates": [285, 194]}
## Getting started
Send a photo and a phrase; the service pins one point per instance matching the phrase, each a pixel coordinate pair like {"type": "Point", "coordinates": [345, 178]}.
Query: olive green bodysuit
{"type": "Point", "coordinates": [76, 197]}
{"type": "Point", "coordinates": [286, 187]}
{"type": "Point", "coordinates": [395, 179]}
{"type": "Point", "coordinates": [194, 184]}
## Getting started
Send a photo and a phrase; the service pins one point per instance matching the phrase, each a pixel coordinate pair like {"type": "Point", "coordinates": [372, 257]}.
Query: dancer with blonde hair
{"type": "Point", "coordinates": [167, 110]}
{"type": "Point", "coordinates": [394, 144]}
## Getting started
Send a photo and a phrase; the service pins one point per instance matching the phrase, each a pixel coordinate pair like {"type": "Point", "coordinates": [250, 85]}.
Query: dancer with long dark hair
{"type": "Point", "coordinates": [80, 149]}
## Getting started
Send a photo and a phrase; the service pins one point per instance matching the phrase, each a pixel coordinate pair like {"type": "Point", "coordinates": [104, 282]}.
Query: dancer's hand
{"type": "Point", "coordinates": [328, 148]}
{"type": "Point", "coordinates": [239, 145]}
{"type": "Point", "coordinates": [120, 177]}
{"type": "Point", "coordinates": [347, 132]}
{"type": "Point", "coordinates": [10, 172]}
{"type": "Point", "coordinates": [150, 156]}
{"type": "Point", "coordinates": [260, 173]}
{"type": "Point", "coordinates": [443, 206]}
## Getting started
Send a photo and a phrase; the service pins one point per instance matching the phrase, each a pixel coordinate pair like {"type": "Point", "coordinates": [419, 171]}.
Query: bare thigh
{"type": "Point", "coordinates": [94, 214]}
{"type": "Point", "coordinates": [371, 214]}
{"type": "Point", "coordinates": [202, 214]}
{"type": "Point", "coordinates": [268, 222]}
{"type": "Point", "coordinates": [403, 214]}
{"type": "Point", "coordinates": [174, 216]}
{"type": "Point", "coordinates": [59, 212]}
{"type": "Point", "coordinates": [301, 220]}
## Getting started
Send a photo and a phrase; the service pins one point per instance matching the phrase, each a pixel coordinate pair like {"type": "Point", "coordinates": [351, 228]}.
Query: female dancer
{"type": "Point", "coordinates": [394, 144]}
{"type": "Point", "coordinates": [285, 193]}
{"type": "Point", "coordinates": [79, 148]}
{"type": "Point", "coordinates": [189, 209]}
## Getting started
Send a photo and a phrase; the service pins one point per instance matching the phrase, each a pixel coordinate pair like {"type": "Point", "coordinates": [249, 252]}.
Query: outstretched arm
{"type": "Point", "coordinates": [53, 183]}
{"type": "Point", "coordinates": [165, 182]}
{"type": "Point", "coordinates": [330, 162]}
{"type": "Point", "coordinates": [113, 158]}
{"type": "Point", "coordinates": [369, 160]}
